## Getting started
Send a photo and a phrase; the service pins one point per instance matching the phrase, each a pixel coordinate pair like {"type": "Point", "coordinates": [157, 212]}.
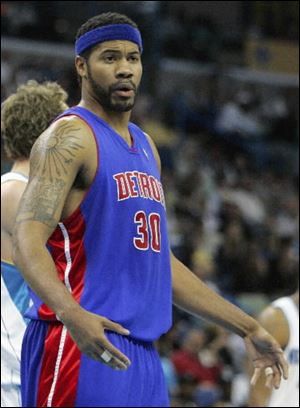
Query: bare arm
{"type": "Point", "coordinates": [275, 323]}
{"type": "Point", "coordinates": [11, 193]}
{"type": "Point", "coordinates": [55, 161]}
{"type": "Point", "coordinates": [192, 295]}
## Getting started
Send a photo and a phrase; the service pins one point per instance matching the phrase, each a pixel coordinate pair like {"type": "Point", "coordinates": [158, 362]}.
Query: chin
{"type": "Point", "coordinates": [120, 107]}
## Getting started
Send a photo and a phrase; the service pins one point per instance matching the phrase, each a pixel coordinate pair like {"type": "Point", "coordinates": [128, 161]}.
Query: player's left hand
{"type": "Point", "coordinates": [267, 357]}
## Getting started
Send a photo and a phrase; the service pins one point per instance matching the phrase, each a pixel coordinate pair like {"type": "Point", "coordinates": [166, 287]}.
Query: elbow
{"type": "Point", "coordinates": [16, 258]}
{"type": "Point", "coordinates": [16, 254]}
{"type": "Point", "coordinates": [21, 239]}
{"type": "Point", "coordinates": [29, 241]}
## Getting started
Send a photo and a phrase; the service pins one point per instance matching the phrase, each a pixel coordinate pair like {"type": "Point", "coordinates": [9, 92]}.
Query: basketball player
{"type": "Point", "coordinates": [24, 116]}
{"type": "Point", "coordinates": [96, 252]}
{"type": "Point", "coordinates": [281, 319]}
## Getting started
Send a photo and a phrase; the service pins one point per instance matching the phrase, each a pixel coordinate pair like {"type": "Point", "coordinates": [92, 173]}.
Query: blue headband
{"type": "Point", "coordinates": [108, 33]}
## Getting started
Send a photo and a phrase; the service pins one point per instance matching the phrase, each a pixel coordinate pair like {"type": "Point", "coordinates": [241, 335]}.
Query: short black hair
{"type": "Point", "coordinates": [100, 20]}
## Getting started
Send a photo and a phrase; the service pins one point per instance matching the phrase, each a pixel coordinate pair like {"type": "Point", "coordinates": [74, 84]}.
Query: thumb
{"type": "Point", "coordinates": [116, 327]}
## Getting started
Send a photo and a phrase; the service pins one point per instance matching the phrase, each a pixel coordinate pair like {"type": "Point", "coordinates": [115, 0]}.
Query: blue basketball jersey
{"type": "Point", "coordinates": [113, 251]}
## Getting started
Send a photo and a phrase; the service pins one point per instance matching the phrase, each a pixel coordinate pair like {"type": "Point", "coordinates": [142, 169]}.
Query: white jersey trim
{"type": "Point", "coordinates": [64, 330]}
{"type": "Point", "coordinates": [13, 176]}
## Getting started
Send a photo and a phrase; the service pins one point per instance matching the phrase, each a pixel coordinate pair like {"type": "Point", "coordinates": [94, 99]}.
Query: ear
{"type": "Point", "coordinates": [81, 67]}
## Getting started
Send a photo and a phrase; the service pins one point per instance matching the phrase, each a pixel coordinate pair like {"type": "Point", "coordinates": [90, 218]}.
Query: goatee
{"type": "Point", "coordinates": [105, 97]}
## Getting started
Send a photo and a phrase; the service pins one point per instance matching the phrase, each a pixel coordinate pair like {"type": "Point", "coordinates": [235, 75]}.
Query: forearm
{"type": "Point", "coordinates": [192, 295]}
{"type": "Point", "coordinates": [37, 266]}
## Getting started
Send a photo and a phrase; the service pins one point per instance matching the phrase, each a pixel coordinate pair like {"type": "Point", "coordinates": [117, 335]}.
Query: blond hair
{"type": "Point", "coordinates": [27, 113]}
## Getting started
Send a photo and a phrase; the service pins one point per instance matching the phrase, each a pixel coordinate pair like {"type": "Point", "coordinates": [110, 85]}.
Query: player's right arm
{"type": "Point", "coordinates": [273, 320]}
{"type": "Point", "coordinates": [56, 158]}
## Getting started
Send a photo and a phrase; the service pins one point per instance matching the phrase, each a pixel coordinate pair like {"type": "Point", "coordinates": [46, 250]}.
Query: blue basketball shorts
{"type": "Point", "coordinates": [55, 373]}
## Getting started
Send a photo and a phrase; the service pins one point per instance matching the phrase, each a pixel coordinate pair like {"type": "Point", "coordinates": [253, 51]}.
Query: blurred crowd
{"type": "Point", "coordinates": [230, 175]}
{"type": "Point", "coordinates": [203, 29]}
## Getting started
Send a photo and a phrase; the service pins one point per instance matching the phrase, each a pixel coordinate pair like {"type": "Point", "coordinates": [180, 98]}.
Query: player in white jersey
{"type": "Point", "coordinates": [281, 319]}
{"type": "Point", "coordinates": [24, 116]}
{"type": "Point", "coordinates": [14, 299]}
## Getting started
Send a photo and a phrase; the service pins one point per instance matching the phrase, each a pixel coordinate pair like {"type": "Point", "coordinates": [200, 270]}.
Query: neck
{"type": "Point", "coordinates": [117, 120]}
{"type": "Point", "coordinates": [21, 166]}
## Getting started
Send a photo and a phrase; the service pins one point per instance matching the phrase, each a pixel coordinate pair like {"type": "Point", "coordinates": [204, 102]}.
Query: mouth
{"type": "Point", "coordinates": [124, 90]}
{"type": "Point", "coordinates": [124, 93]}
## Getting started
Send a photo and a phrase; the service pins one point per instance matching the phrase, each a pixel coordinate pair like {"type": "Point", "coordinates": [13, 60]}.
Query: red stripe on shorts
{"type": "Point", "coordinates": [59, 376]}
{"type": "Point", "coordinates": [61, 358]}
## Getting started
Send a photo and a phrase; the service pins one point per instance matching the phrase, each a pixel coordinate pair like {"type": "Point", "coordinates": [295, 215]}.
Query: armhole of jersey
{"type": "Point", "coordinates": [13, 176]}
{"type": "Point", "coordinates": [148, 138]}
{"type": "Point", "coordinates": [77, 209]}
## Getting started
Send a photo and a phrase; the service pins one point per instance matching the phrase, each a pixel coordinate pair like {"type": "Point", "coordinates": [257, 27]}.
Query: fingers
{"type": "Point", "coordinates": [255, 376]}
{"type": "Point", "coordinates": [276, 377]}
{"type": "Point", "coordinates": [107, 353]}
{"type": "Point", "coordinates": [283, 365]}
{"type": "Point", "coordinates": [116, 327]}
{"type": "Point", "coordinates": [103, 350]}
{"type": "Point", "coordinates": [273, 377]}
{"type": "Point", "coordinates": [107, 358]}
{"type": "Point", "coordinates": [280, 369]}
{"type": "Point", "coordinates": [120, 358]}
{"type": "Point", "coordinates": [269, 381]}
{"type": "Point", "coordinates": [91, 339]}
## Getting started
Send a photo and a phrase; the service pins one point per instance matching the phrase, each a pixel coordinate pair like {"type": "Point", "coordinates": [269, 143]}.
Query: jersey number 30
{"type": "Point", "coordinates": [148, 231]}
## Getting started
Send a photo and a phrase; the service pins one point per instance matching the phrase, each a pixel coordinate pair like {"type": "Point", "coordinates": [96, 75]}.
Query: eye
{"type": "Point", "coordinates": [133, 58]}
{"type": "Point", "coordinates": [109, 58]}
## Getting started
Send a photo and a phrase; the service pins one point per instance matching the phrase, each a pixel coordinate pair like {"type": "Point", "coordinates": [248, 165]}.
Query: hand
{"type": "Point", "coordinates": [267, 357]}
{"type": "Point", "coordinates": [88, 331]}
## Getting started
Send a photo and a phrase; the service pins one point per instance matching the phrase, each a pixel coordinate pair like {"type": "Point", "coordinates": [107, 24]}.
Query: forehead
{"type": "Point", "coordinates": [117, 45]}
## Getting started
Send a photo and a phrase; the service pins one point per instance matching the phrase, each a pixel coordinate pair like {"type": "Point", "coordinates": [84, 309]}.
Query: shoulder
{"type": "Point", "coordinates": [66, 126]}
{"type": "Point", "coordinates": [274, 321]}
{"type": "Point", "coordinates": [12, 190]}
{"type": "Point", "coordinates": [68, 132]}
{"type": "Point", "coordinates": [11, 193]}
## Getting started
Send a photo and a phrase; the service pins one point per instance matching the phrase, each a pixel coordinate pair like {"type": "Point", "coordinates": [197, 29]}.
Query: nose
{"type": "Point", "coordinates": [124, 70]}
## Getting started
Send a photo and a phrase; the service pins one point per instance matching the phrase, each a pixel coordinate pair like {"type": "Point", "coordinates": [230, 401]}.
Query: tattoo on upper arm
{"type": "Point", "coordinates": [58, 152]}
{"type": "Point", "coordinates": [42, 203]}
{"type": "Point", "coordinates": [50, 160]}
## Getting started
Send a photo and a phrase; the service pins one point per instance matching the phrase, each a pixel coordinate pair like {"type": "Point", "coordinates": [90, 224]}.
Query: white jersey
{"type": "Point", "coordinates": [14, 301]}
{"type": "Point", "coordinates": [13, 176]}
{"type": "Point", "coordinates": [288, 393]}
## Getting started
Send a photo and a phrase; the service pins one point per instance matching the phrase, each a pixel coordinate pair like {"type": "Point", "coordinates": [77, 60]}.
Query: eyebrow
{"type": "Point", "coordinates": [110, 50]}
